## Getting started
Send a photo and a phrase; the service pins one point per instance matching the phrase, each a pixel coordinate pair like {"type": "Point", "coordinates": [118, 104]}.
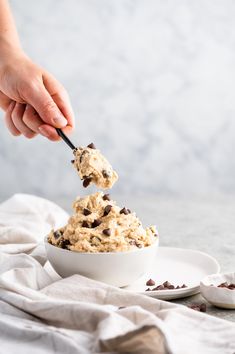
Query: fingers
{"type": "Point", "coordinates": [38, 97]}
{"type": "Point", "coordinates": [4, 101]}
{"type": "Point", "coordinates": [17, 119]}
{"type": "Point", "coordinates": [60, 97]}
{"type": "Point", "coordinates": [10, 125]}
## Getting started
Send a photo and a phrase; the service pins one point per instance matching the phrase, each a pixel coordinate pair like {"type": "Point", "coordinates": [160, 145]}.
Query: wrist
{"type": "Point", "coordinates": [9, 51]}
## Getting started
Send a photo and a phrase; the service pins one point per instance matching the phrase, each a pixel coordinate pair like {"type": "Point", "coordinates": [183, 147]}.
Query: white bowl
{"type": "Point", "coordinates": [114, 268]}
{"type": "Point", "coordinates": [220, 297]}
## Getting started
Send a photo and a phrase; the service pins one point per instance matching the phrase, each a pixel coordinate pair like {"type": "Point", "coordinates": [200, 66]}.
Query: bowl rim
{"type": "Point", "coordinates": [155, 244]}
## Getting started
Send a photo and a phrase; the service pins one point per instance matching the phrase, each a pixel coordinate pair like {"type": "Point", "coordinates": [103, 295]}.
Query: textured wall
{"type": "Point", "coordinates": [152, 84]}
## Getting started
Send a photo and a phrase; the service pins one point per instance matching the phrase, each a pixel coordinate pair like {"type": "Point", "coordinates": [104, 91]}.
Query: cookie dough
{"type": "Point", "coordinates": [93, 167]}
{"type": "Point", "coordinates": [99, 225]}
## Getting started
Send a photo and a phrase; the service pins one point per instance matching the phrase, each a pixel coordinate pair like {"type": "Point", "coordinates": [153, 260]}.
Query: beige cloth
{"type": "Point", "coordinates": [42, 313]}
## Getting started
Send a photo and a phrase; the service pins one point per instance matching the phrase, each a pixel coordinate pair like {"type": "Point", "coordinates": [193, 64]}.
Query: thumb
{"type": "Point", "coordinates": [42, 102]}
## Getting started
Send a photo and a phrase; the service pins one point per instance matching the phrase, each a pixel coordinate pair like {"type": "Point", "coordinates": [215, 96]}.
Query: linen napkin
{"type": "Point", "coordinates": [42, 313]}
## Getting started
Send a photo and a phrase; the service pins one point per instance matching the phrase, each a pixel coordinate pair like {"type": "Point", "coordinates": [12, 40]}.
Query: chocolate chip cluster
{"type": "Point", "coordinates": [226, 285]}
{"type": "Point", "coordinates": [164, 286]}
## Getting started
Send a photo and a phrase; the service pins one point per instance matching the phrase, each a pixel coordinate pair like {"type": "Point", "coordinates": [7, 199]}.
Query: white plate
{"type": "Point", "coordinates": [179, 266]}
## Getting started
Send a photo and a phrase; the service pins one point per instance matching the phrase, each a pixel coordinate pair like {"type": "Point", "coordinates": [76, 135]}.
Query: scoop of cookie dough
{"type": "Point", "coordinates": [99, 225]}
{"type": "Point", "coordinates": [93, 167]}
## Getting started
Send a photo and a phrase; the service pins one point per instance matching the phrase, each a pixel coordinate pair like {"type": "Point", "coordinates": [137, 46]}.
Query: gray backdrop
{"type": "Point", "coordinates": [152, 84]}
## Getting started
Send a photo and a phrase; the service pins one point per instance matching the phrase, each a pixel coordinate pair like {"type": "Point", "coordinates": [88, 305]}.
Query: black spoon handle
{"type": "Point", "coordinates": [65, 138]}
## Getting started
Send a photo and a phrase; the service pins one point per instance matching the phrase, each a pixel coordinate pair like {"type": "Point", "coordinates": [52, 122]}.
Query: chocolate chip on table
{"type": "Point", "coordinates": [86, 212]}
{"type": "Point", "coordinates": [124, 211]}
{"type": "Point", "coordinates": [91, 146]}
{"type": "Point", "coordinates": [203, 307]}
{"type": "Point", "coordinates": [56, 234]}
{"type": "Point", "coordinates": [198, 307]}
{"type": "Point", "coordinates": [107, 232]}
{"type": "Point", "coordinates": [107, 210]}
{"type": "Point", "coordinates": [150, 282]}
{"type": "Point", "coordinates": [86, 181]}
{"type": "Point", "coordinates": [96, 223]}
{"type": "Point", "coordinates": [85, 224]}
{"type": "Point", "coordinates": [105, 174]}
{"type": "Point", "coordinates": [106, 197]}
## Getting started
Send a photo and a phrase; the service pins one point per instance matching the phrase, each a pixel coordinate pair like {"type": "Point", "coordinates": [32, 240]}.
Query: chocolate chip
{"type": "Point", "coordinates": [227, 286]}
{"type": "Point", "coordinates": [148, 289]}
{"type": "Point", "coordinates": [203, 308]}
{"type": "Point", "coordinates": [166, 284]}
{"type": "Point", "coordinates": [121, 307]}
{"type": "Point", "coordinates": [171, 287]}
{"type": "Point", "coordinates": [138, 245]}
{"type": "Point", "coordinates": [198, 307]}
{"type": "Point", "coordinates": [159, 287]}
{"type": "Point", "coordinates": [82, 154]}
{"type": "Point", "coordinates": [184, 286]}
{"type": "Point", "coordinates": [86, 212]}
{"type": "Point", "coordinates": [57, 234]}
{"type": "Point", "coordinates": [107, 232]}
{"type": "Point", "coordinates": [85, 224]}
{"type": "Point", "coordinates": [64, 244]}
{"type": "Point", "coordinates": [91, 146]}
{"type": "Point", "coordinates": [132, 242]}
{"type": "Point", "coordinates": [106, 197]}
{"type": "Point", "coordinates": [96, 223]}
{"type": "Point", "coordinates": [86, 182]}
{"type": "Point", "coordinates": [129, 211]}
{"type": "Point", "coordinates": [150, 282]}
{"type": "Point", "coordinates": [105, 174]}
{"type": "Point", "coordinates": [72, 161]}
{"type": "Point", "coordinates": [107, 210]}
{"type": "Point", "coordinates": [124, 211]}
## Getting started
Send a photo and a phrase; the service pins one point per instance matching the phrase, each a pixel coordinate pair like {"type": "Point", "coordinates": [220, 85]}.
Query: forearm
{"type": "Point", "coordinates": [9, 40]}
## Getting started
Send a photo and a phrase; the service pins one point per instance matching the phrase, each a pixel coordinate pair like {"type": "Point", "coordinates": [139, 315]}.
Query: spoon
{"type": "Point", "coordinates": [65, 138]}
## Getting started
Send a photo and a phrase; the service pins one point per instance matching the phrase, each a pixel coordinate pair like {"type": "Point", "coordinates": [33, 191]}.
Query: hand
{"type": "Point", "coordinates": [33, 100]}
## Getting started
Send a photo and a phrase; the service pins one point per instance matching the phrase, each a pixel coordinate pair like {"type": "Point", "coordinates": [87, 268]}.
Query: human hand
{"type": "Point", "coordinates": [33, 100]}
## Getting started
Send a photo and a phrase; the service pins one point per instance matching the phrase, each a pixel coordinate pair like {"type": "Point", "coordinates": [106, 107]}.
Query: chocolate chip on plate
{"type": "Point", "coordinates": [86, 212]}
{"type": "Point", "coordinates": [86, 181]}
{"type": "Point", "coordinates": [124, 211]}
{"type": "Point", "coordinates": [150, 282]}
{"type": "Point", "coordinates": [91, 146]}
{"type": "Point", "coordinates": [106, 197]}
{"type": "Point", "coordinates": [85, 224]}
{"type": "Point", "coordinates": [96, 223]}
{"type": "Point", "coordinates": [107, 232]}
{"type": "Point", "coordinates": [166, 284]}
{"type": "Point", "coordinates": [107, 210]}
{"type": "Point", "coordinates": [159, 287]}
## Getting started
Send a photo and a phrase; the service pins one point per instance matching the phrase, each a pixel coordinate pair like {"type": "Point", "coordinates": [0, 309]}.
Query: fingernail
{"type": "Point", "coordinates": [61, 121]}
{"type": "Point", "coordinates": [44, 132]}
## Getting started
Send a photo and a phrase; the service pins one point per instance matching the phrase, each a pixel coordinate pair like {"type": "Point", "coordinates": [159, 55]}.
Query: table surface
{"type": "Point", "coordinates": [207, 225]}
